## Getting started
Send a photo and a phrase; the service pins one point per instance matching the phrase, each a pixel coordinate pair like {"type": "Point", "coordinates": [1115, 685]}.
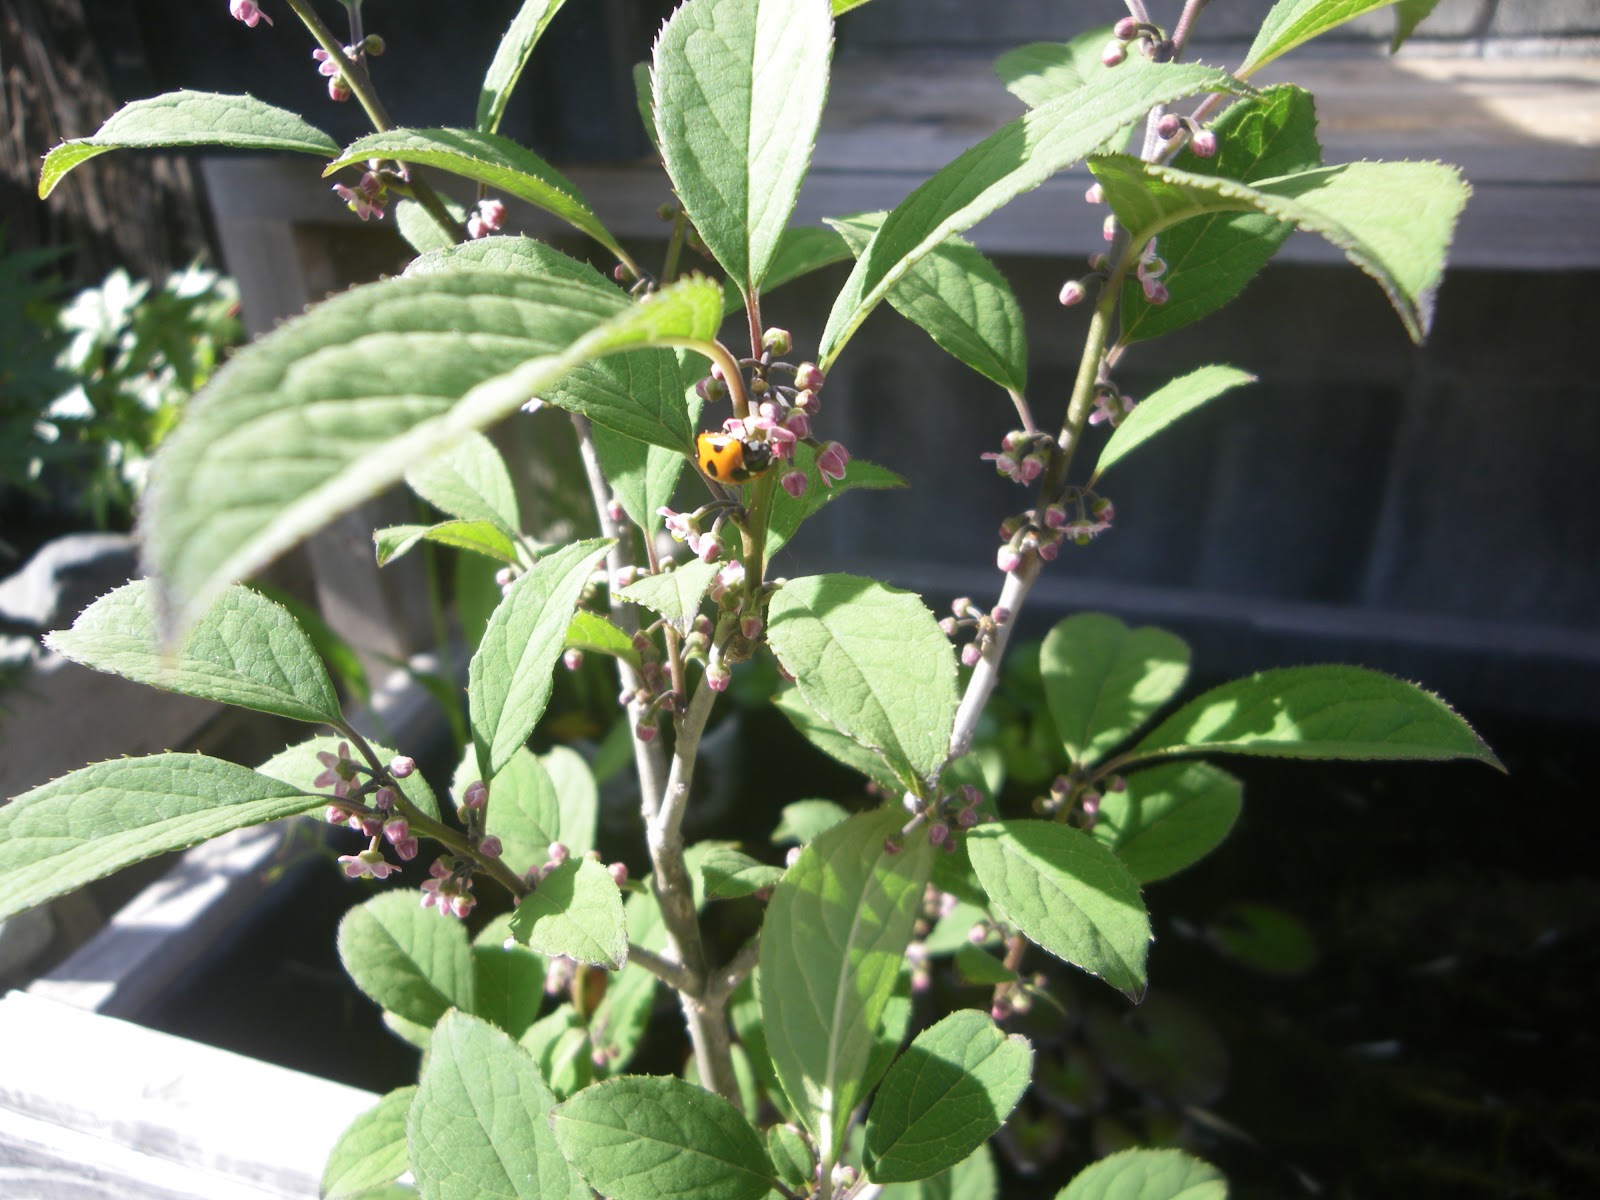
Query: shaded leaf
{"type": "Point", "coordinates": [469, 481]}
{"type": "Point", "coordinates": [1162, 407]}
{"type": "Point", "coordinates": [372, 1151]}
{"type": "Point", "coordinates": [1168, 817]}
{"type": "Point", "coordinates": [511, 58]}
{"type": "Point", "coordinates": [406, 958]}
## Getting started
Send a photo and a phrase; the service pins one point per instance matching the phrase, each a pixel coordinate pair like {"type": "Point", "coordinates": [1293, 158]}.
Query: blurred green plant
{"type": "Point", "coordinates": [89, 387]}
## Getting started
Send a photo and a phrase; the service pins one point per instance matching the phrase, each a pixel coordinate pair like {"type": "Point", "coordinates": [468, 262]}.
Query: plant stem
{"type": "Point", "coordinates": [647, 757]}
{"type": "Point", "coordinates": [664, 969]}
{"type": "Point", "coordinates": [355, 74]}
{"type": "Point", "coordinates": [703, 1010]}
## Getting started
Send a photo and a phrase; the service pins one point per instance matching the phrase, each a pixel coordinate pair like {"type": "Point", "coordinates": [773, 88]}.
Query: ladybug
{"type": "Point", "coordinates": [728, 459]}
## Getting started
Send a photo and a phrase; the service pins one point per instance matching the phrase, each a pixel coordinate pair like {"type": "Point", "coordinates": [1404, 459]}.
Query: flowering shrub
{"type": "Point", "coordinates": [801, 1081]}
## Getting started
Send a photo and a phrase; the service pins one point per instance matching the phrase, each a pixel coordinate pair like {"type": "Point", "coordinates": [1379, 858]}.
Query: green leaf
{"type": "Point", "coordinates": [976, 966]}
{"type": "Point", "coordinates": [1263, 937]}
{"type": "Point", "coordinates": [838, 746]}
{"type": "Point", "coordinates": [480, 537]}
{"type": "Point", "coordinates": [479, 1126]}
{"type": "Point", "coordinates": [1103, 680]}
{"type": "Point", "coordinates": [1393, 220]}
{"type": "Point", "coordinates": [576, 795]}
{"type": "Point", "coordinates": [739, 86]}
{"type": "Point", "coordinates": [591, 631]}
{"type": "Point", "coordinates": [99, 818]}
{"type": "Point", "coordinates": [510, 255]}
{"type": "Point", "coordinates": [1210, 259]}
{"type": "Point", "coordinates": [643, 1137]}
{"type": "Point", "coordinates": [1292, 23]}
{"type": "Point", "coordinates": [1040, 72]}
{"type": "Point", "coordinates": [960, 300]}
{"type": "Point", "coordinates": [731, 873]}
{"type": "Point", "coordinates": [407, 960]}
{"type": "Point", "coordinates": [245, 650]}
{"type": "Point", "coordinates": [644, 474]}
{"type": "Point", "coordinates": [469, 481]}
{"type": "Point", "coordinates": [872, 661]}
{"type": "Point", "coordinates": [643, 101]}
{"type": "Point", "coordinates": [1016, 158]}
{"type": "Point", "coordinates": [804, 820]}
{"type": "Point", "coordinates": [299, 766]}
{"type": "Point", "coordinates": [791, 1154]}
{"type": "Point", "coordinates": [510, 58]}
{"type": "Point", "coordinates": [1330, 711]}
{"type": "Point", "coordinates": [372, 1151]}
{"type": "Point", "coordinates": [1408, 14]}
{"type": "Point", "coordinates": [560, 1045]}
{"type": "Point", "coordinates": [832, 947]}
{"type": "Point", "coordinates": [1147, 1175]}
{"type": "Point", "coordinates": [331, 408]}
{"type": "Point", "coordinates": [1168, 817]}
{"type": "Point", "coordinates": [509, 678]}
{"type": "Point", "coordinates": [803, 249]}
{"type": "Point", "coordinates": [1067, 893]}
{"type": "Point", "coordinates": [675, 594]}
{"type": "Point", "coordinates": [640, 395]}
{"type": "Point", "coordinates": [950, 1092]}
{"type": "Point", "coordinates": [844, 6]}
{"type": "Point", "coordinates": [576, 910]}
{"type": "Point", "coordinates": [523, 811]}
{"type": "Point", "coordinates": [1162, 407]}
{"type": "Point", "coordinates": [489, 159]}
{"type": "Point", "coordinates": [508, 978]}
{"type": "Point", "coordinates": [789, 512]}
{"type": "Point", "coordinates": [180, 119]}
{"type": "Point", "coordinates": [421, 232]}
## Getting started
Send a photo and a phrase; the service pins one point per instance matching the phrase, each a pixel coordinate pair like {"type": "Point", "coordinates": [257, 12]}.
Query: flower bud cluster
{"type": "Point", "coordinates": [967, 615]}
{"type": "Point", "coordinates": [1023, 456]}
{"type": "Point", "coordinates": [449, 887]}
{"type": "Point", "coordinates": [1150, 269]}
{"type": "Point", "coordinates": [487, 218]}
{"type": "Point", "coordinates": [1202, 141]}
{"type": "Point", "coordinates": [1148, 39]}
{"type": "Point", "coordinates": [1078, 797]}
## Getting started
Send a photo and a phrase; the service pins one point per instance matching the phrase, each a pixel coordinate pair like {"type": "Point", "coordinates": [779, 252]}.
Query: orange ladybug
{"type": "Point", "coordinates": [728, 459]}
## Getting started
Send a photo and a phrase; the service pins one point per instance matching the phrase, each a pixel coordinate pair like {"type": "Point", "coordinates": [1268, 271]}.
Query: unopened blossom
{"type": "Point", "coordinates": [1072, 292]}
{"type": "Point", "coordinates": [808, 377]}
{"type": "Point", "coordinates": [795, 483]}
{"type": "Point", "coordinates": [476, 795]}
{"type": "Point", "coordinates": [718, 677]}
{"type": "Point", "coordinates": [248, 11]}
{"type": "Point", "coordinates": [490, 847]}
{"type": "Point", "coordinates": [489, 217]}
{"type": "Point", "coordinates": [402, 765]}
{"type": "Point", "coordinates": [831, 462]}
{"type": "Point", "coordinates": [1204, 143]}
{"type": "Point", "coordinates": [619, 872]}
{"type": "Point", "coordinates": [971, 653]}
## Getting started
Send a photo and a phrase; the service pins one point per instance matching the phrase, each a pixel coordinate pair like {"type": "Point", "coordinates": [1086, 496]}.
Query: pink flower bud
{"type": "Point", "coordinates": [396, 831]}
{"type": "Point", "coordinates": [831, 461]}
{"type": "Point", "coordinates": [476, 795]}
{"type": "Point", "coordinates": [938, 833]}
{"type": "Point", "coordinates": [572, 658]}
{"type": "Point", "coordinates": [1204, 143]}
{"type": "Point", "coordinates": [718, 677]}
{"type": "Point", "coordinates": [1000, 614]}
{"type": "Point", "coordinates": [750, 627]}
{"type": "Point", "coordinates": [559, 853]}
{"type": "Point", "coordinates": [1169, 126]}
{"type": "Point", "coordinates": [490, 847]}
{"type": "Point", "coordinates": [1072, 292]}
{"type": "Point", "coordinates": [1095, 194]}
{"type": "Point", "coordinates": [248, 11]}
{"type": "Point", "coordinates": [619, 872]}
{"type": "Point", "coordinates": [971, 653]}
{"type": "Point", "coordinates": [808, 378]}
{"type": "Point", "coordinates": [1113, 54]}
{"type": "Point", "coordinates": [1126, 29]}
{"type": "Point", "coordinates": [967, 818]}
{"type": "Point", "coordinates": [401, 766]}
{"type": "Point", "coordinates": [1008, 560]}
{"type": "Point", "coordinates": [337, 91]}
{"type": "Point", "coordinates": [795, 483]}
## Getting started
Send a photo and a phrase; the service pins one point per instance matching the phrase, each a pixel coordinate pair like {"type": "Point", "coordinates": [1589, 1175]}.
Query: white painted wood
{"type": "Point", "coordinates": [95, 1107]}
